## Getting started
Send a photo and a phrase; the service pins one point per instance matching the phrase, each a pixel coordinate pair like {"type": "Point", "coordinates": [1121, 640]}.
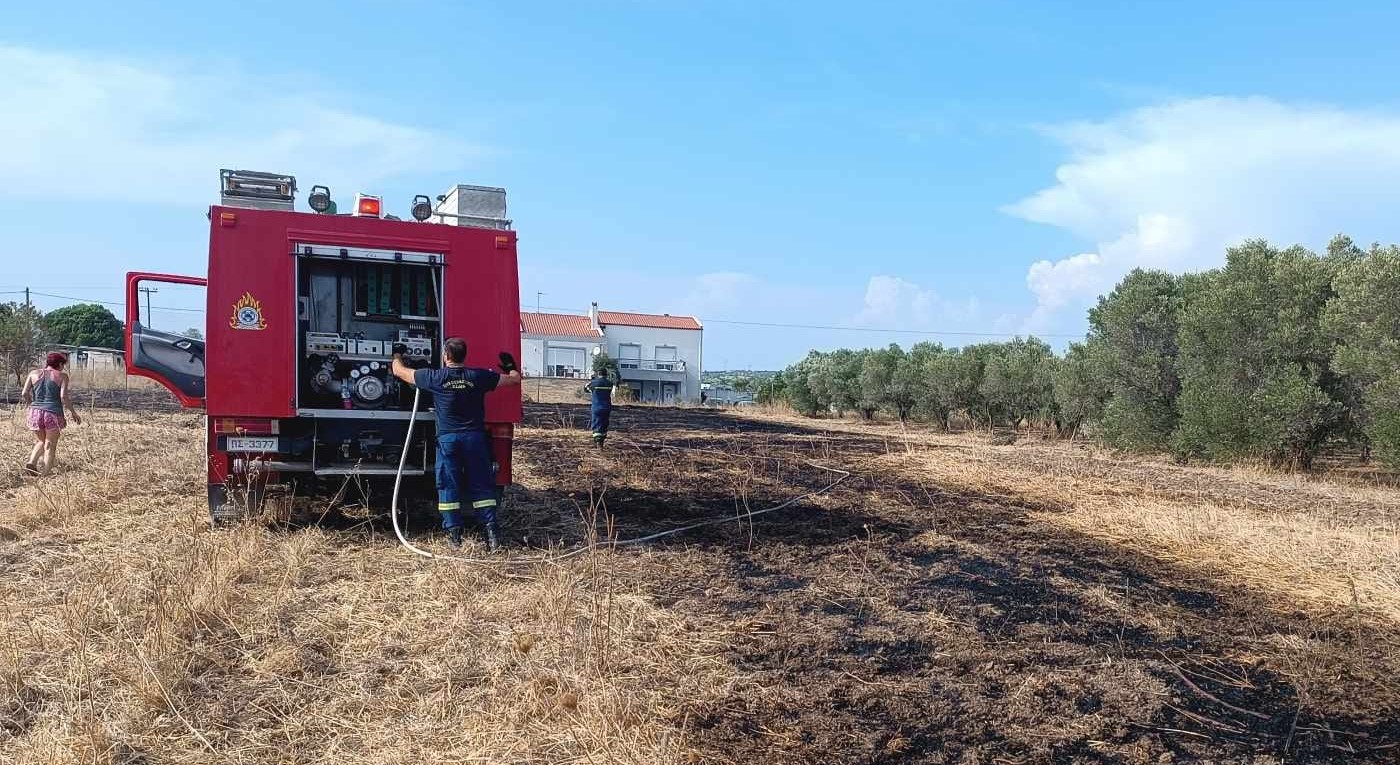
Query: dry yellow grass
{"type": "Point", "coordinates": [132, 633]}
{"type": "Point", "coordinates": [1306, 559]}
{"type": "Point", "coordinates": [547, 390]}
{"type": "Point", "coordinates": [1310, 542]}
{"type": "Point", "coordinates": [107, 378]}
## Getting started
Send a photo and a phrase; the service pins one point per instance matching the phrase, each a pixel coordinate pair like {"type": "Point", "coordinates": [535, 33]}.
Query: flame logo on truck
{"type": "Point", "coordinates": [247, 313]}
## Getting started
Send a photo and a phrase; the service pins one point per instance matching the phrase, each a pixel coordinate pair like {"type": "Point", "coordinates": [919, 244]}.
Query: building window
{"type": "Point", "coordinates": [565, 362]}
{"type": "Point", "coordinates": [629, 356]}
{"type": "Point", "coordinates": [666, 357]}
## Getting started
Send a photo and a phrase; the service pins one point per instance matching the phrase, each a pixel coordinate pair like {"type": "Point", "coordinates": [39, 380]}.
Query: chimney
{"type": "Point", "coordinates": [593, 316]}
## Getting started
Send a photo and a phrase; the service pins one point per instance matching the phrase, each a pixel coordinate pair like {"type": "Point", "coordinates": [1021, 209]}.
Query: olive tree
{"type": "Point", "coordinates": [1256, 376]}
{"type": "Point", "coordinates": [1135, 327]}
{"type": "Point", "coordinates": [1018, 381]}
{"type": "Point", "coordinates": [1363, 320]}
{"type": "Point", "coordinates": [1080, 387]}
{"type": "Point", "coordinates": [22, 336]}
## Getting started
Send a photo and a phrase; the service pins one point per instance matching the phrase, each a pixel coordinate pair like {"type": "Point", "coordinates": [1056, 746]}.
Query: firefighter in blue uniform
{"type": "Point", "coordinates": [601, 386]}
{"type": "Point", "coordinates": [463, 448]}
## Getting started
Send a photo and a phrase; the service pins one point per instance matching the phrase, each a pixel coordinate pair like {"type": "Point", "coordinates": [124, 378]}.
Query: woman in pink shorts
{"type": "Point", "coordinates": [46, 393]}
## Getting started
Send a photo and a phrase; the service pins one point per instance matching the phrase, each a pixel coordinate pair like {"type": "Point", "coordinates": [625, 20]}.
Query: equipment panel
{"type": "Point", "coordinates": [352, 314]}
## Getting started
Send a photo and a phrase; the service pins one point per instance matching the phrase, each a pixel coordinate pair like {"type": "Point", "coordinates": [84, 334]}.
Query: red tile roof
{"type": "Point", "coordinates": [658, 321]}
{"type": "Point", "coordinates": [557, 324]}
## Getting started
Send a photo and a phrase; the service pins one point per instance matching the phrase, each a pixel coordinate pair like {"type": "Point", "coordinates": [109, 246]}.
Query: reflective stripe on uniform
{"type": "Point", "coordinates": [446, 506]}
{"type": "Point", "coordinates": [480, 503]}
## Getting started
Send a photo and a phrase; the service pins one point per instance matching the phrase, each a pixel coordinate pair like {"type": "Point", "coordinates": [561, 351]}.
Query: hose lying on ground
{"type": "Point", "coordinates": [841, 475]}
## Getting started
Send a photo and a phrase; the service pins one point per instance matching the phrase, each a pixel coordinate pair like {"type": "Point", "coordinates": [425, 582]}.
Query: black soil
{"type": "Point", "coordinates": [890, 621]}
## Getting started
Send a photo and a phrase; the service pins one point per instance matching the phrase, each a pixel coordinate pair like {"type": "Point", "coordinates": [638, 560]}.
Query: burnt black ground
{"type": "Point", "coordinates": [139, 397]}
{"type": "Point", "coordinates": [894, 622]}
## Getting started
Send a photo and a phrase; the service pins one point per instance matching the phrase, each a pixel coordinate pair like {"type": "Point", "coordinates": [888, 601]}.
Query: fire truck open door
{"type": "Point", "coordinates": [175, 361]}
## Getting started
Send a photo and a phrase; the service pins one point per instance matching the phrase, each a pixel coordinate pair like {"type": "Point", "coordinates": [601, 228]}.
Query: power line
{"type": "Point", "coordinates": [96, 287]}
{"type": "Point", "coordinates": [883, 330]}
{"type": "Point", "coordinates": [842, 328]}
{"type": "Point", "coordinates": [113, 302]}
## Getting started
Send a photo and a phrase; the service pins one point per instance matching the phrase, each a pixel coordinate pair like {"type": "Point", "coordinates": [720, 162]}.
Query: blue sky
{"type": "Point", "coordinates": [932, 167]}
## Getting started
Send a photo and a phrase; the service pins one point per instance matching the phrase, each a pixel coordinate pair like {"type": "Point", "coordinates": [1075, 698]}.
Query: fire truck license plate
{"type": "Point", "coordinates": [246, 444]}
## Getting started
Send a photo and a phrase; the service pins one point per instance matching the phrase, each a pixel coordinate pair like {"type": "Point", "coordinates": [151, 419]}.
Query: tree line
{"type": "Point", "coordinates": [1275, 355]}
{"type": "Point", "coordinates": [25, 331]}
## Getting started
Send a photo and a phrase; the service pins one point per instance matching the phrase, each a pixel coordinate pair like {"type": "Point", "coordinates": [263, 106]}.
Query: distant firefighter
{"type": "Point", "coordinates": [601, 386]}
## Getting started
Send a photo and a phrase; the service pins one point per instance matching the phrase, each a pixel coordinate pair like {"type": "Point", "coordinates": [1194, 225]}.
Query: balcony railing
{"type": "Point", "coordinates": [652, 365]}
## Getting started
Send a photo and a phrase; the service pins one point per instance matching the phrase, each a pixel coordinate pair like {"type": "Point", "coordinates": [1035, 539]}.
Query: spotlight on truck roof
{"type": "Point", "coordinates": [320, 199]}
{"type": "Point", "coordinates": [422, 208]}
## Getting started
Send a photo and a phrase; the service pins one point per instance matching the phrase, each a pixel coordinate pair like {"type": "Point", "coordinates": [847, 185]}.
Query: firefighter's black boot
{"type": "Point", "coordinates": [493, 536]}
{"type": "Point", "coordinates": [454, 537]}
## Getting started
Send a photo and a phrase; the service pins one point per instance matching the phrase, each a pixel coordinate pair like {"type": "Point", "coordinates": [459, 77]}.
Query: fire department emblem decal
{"type": "Point", "coordinates": [247, 313]}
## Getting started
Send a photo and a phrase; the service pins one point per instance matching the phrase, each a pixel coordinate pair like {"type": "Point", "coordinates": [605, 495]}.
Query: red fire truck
{"type": "Point", "coordinates": [302, 311]}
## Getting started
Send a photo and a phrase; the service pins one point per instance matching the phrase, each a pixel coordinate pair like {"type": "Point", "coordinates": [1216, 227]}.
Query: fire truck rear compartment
{"type": "Point", "coordinates": [350, 313]}
{"type": "Point", "coordinates": [353, 306]}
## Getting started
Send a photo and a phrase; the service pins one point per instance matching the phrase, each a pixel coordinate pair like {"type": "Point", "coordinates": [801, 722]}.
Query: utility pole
{"type": "Point", "coordinates": [148, 291]}
{"type": "Point", "coordinates": [539, 381]}
{"type": "Point", "coordinates": [27, 304]}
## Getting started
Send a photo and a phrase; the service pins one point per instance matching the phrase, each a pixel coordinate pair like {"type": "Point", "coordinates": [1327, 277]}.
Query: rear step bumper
{"type": "Point", "coordinates": [278, 466]}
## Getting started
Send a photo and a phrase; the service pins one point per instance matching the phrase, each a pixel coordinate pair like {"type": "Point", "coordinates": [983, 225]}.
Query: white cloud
{"type": "Point", "coordinates": [718, 293]}
{"type": "Point", "coordinates": [893, 303]}
{"type": "Point", "coordinates": [1172, 186]}
{"type": "Point", "coordinates": [135, 131]}
{"type": "Point", "coordinates": [711, 295]}
{"type": "Point", "coordinates": [1054, 283]}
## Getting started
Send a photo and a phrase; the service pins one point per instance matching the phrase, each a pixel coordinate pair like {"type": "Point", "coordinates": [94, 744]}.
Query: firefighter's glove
{"type": "Point", "coordinates": [399, 349]}
{"type": "Point", "coordinates": [507, 362]}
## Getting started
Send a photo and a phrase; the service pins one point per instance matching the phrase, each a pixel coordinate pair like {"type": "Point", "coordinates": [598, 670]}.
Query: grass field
{"type": "Point", "coordinates": [951, 601]}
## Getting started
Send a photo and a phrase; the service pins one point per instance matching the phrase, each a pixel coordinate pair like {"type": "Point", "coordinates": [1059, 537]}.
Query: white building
{"type": "Point", "coordinates": [658, 355]}
{"type": "Point", "coordinates": [85, 357]}
{"type": "Point", "coordinates": [558, 345]}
